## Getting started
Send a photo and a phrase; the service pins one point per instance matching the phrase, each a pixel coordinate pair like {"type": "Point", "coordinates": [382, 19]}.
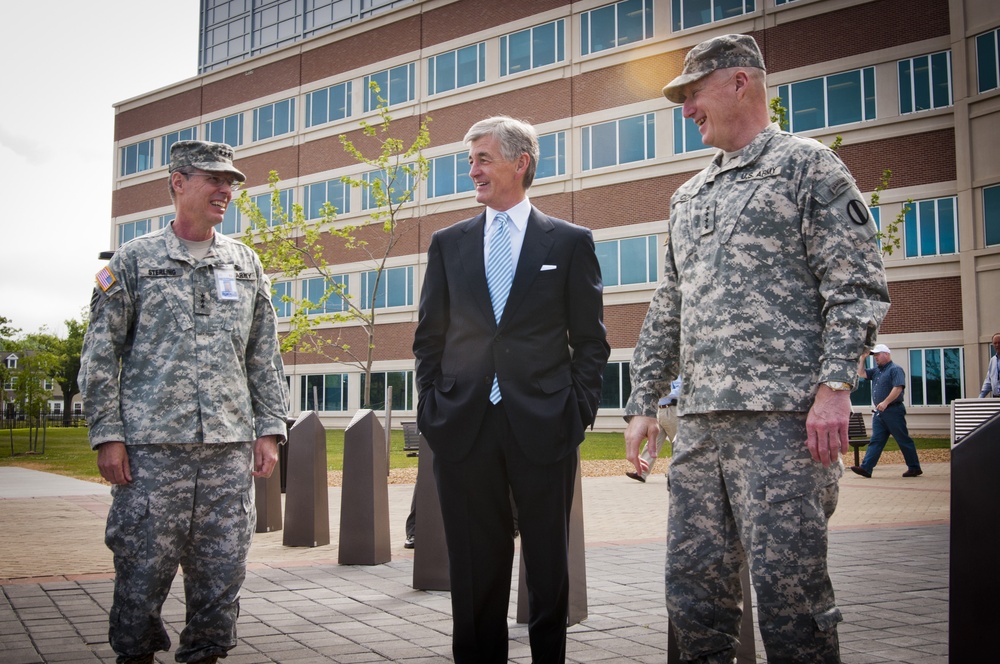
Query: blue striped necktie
{"type": "Point", "coordinates": [499, 275]}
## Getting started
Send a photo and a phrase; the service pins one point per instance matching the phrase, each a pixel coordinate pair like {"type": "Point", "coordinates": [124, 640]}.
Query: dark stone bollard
{"type": "Point", "coordinates": [577, 562]}
{"type": "Point", "coordinates": [973, 611]}
{"type": "Point", "coordinates": [267, 500]}
{"type": "Point", "coordinates": [430, 557]}
{"type": "Point", "coordinates": [364, 498]}
{"type": "Point", "coordinates": [307, 506]}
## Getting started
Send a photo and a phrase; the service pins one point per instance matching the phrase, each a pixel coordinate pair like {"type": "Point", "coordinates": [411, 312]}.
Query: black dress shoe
{"type": "Point", "coordinates": [913, 473]}
{"type": "Point", "coordinates": [861, 471]}
{"type": "Point", "coordinates": [636, 476]}
{"type": "Point", "coordinates": [410, 542]}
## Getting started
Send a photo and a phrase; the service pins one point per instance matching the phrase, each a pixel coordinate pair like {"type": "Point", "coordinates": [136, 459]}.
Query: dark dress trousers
{"type": "Point", "coordinates": [548, 352]}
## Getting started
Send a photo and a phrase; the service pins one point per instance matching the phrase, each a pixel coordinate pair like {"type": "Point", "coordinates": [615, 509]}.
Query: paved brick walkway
{"type": "Point", "coordinates": [889, 561]}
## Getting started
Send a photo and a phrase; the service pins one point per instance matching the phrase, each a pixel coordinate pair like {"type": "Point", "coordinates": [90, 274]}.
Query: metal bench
{"type": "Point", "coordinates": [857, 435]}
{"type": "Point", "coordinates": [411, 439]}
{"type": "Point", "coordinates": [968, 414]}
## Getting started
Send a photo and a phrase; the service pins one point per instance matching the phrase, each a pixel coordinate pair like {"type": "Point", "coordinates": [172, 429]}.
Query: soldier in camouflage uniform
{"type": "Point", "coordinates": [185, 397]}
{"type": "Point", "coordinates": [773, 287]}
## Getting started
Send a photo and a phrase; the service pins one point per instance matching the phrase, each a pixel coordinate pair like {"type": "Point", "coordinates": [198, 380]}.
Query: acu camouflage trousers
{"type": "Point", "coordinates": [743, 487]}
{"type": "Point", "coordinates": [188, 505]}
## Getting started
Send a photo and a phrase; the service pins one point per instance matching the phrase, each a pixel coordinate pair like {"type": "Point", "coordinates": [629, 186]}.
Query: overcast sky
{"type": "Point", "coordinates": [61, 75]}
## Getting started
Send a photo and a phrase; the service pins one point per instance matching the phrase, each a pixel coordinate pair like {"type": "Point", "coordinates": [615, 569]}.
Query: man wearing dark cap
{"type": "Point", "coordinates": [184, 389]}
{"type": "Point", "coordinates": [773, 288]}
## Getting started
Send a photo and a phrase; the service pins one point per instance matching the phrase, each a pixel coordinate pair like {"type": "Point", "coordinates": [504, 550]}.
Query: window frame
{"type": "Point", "coordinates": [388, 286]}
{"type": "Point", "coordinates": [305, 392]}
{"type": "Point", "coordinates": [715, 9]}
{"type": "Point", "coordinates": [345, 91]}
{"type": "Point", "coordinates": [167, 141]}
{"type": "Point", "coordinates": [136, 157]}
{"type": "Point", "coordinates": [387, 90]}
{"type": "Point", "coordinates": [991, 215]}
{"type": "Point", "coordinates": [915, 227]}
{"type": "Point", "coordinates": [909, 79]}
{"type": "Point", "coordinates": [338, 306]}
{"type": "Point", "coordinates": [990, 41]}
{"type": "Point", "coordinates": [533, 35]}
{"type": "Point", "coordinates": [613, 274]}
{"type": "Point", "coordinates": [868, 108]}
{"type": "Point", "coordinates": [591, 20]}
{"type": "Point", "coordinates": [404, 403]}
{"type": "Point", "coordinates": [477, 65]}
{"type": "Point", "coordinates": [622, 384]}
{"type": "Point", "coordinates": [309, 190]}
{"type": "Point", "coordinates": [949, 388]}
{"type": "Point", "coordinates": [648, 129]}
{"type": "Point", "coordinates": [274, 120]}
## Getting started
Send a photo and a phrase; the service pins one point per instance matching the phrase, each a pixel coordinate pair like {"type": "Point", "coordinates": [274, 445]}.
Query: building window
{"type": "Point", "coordinates": [935, 376]}
{"type": "Point", "coordinates": [329, 104]}
{"type": "Point", "coordinates": [11, 361]}
{"type": "Point", "coordinates": [988, 60]}
{"type": "Point", "coordinates": [396, 86]}
{"type": "Point", "coordinates": [456, 69]}
{"type": "Point", "coordinates": [323, 392]}
{"type": "Point", "coordinates": [137, 157]}
{"type": "Point", "coordinates": [991, 214]}
{"type": "Point", "coordinates": [630, 261]}
{"type": "Point", "coordinates": [862, 394]}
{"type": "Point", "coordinates": [687, 138]}
{"type": "Point", "coordinates": [925, 82]}
{"type": "Point", "coordinates": [448, 175]}
{"type": "Point", "coordinates": [335, 192]}
{"type": "Point", "coordinates": [227, 130]}
{"type": "Point", "coordinates": [616, 25]}
{"type": "Point", "coordinates": [78, 408]}
{"type": "Point", "coordinates": [275, 23]}
{"type": "Point", "coordinates": [532, 48]}
{"type": "Point", "coordinates": [930, 228]}
{"type": "Point", "coordinates": [274, 119]}
{"type": "Point", "coordinates": [264, 203]}
{"type": "Point", "coordinates": [689, 13]}
{"type": "Point", "coordinates": [552, 155]}
{"type": "Point", "coordinates": [230, 224]}
{"type": "Point", "coordinates": [619, 142]}
{"type": "Point", "coordinates": [47, 384]}
{"type": "Point", "coordinates": [395, 288]}
{"type": "Point", "coordinates": [829, 101]}
{"type": "Point", "coordinates": [166, 219]}
{"type": "Point", "coordinates": [281, 296]}
{"type": "Point", "coordinates": [393, 182]}
{"type": "Point", "coordinates": [616, 387]}
{"type": "Point", "coordinates": [166, 142]}
{"type": "Point", "coordinates": [132, 229]}
{"type": "Point", "coordinates": [314, 292]}
{"type": "Point", "coordinates": [402, 390]}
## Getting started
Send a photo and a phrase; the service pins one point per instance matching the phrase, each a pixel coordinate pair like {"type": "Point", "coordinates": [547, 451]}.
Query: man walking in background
{"type": "Point", "coordinates": [888, 414]}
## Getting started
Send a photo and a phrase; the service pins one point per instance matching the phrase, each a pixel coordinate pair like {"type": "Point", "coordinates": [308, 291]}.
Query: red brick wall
{"type": "Point", "coordinates": [914, 160]}
{"type": "Point", "coordinates": [924, 305]}
{"type": "Point", "coordinates": [176, 108]}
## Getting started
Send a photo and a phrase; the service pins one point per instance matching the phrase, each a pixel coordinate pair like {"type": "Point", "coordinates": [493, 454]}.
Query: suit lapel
{"type": "Point", "coordinates": [473, 265]}
{"type": "Point", "coordinates": [537, 243]}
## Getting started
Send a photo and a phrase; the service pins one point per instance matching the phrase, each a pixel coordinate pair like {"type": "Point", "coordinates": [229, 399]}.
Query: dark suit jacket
{"type": "Point", "coordinates": [548, 352]}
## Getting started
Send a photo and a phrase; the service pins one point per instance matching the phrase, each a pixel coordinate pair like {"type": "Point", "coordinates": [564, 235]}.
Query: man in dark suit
{"type": "Point", "coordinates": [508, 381]}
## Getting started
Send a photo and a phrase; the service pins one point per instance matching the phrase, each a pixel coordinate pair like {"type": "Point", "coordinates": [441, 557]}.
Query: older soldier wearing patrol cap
{"type": "Point", "coordinates": [773, 288]}
{"type": "Point", "coordinates": [185, 397]}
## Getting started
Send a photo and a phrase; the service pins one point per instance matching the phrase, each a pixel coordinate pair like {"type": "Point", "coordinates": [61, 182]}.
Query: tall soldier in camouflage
{"type": "Point", "coordinates": [184, 389]}
{"type": "Point", "coordinates": [773, 287]}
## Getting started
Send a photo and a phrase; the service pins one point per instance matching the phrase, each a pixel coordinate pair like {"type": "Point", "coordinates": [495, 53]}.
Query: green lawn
{"type": "Point", "coordinates": [68, 453]}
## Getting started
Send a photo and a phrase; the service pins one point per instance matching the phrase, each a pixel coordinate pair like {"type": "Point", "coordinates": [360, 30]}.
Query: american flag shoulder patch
{"type": "Point", "coordinates": [105, 279]}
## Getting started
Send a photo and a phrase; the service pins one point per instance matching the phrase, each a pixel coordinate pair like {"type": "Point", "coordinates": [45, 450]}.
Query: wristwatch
{"type": "Point", "coordinates": [838, 385]}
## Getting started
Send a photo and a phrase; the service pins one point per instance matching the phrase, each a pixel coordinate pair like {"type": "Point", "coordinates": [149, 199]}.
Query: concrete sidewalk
{"type": "Point", "coordinates": [888, 555]}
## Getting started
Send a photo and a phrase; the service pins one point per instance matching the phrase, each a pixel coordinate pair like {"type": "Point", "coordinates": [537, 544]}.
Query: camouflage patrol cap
{"type": "Point", "coordinates": [716, 53]}
{"type": "Point", "coordinates": [203, 155]}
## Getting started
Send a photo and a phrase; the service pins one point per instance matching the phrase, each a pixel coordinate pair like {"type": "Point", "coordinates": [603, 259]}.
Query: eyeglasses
{"type": "Point", "coordinates": [218, 181]}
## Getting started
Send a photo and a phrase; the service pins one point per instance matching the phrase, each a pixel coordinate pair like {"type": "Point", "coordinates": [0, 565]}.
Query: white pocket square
{"type": "Point", "coordinates": [547, 267]}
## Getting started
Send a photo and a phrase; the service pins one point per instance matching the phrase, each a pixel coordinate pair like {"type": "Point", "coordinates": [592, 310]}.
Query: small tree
{"type": "Point", "coordinates": [34, 369]}
{"type": "Point", "coordinates": [888, 235]}
{"type": "Point", "coordinates": [291, 244]}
